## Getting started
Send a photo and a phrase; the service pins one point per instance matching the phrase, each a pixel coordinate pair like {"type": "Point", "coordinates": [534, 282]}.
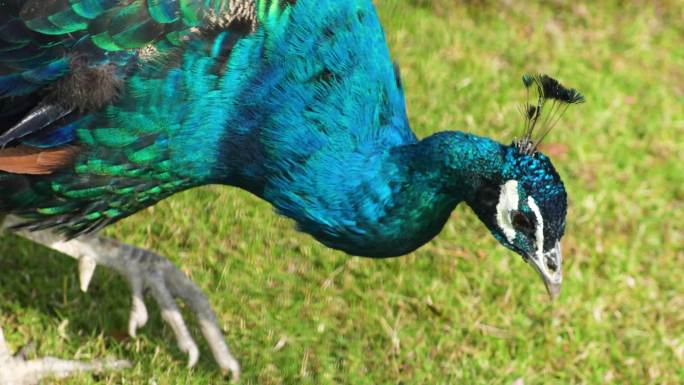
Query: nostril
{"type": "Point", "coordinates": [551, 264]}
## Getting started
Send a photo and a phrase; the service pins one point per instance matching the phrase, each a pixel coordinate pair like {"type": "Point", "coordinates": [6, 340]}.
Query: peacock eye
{"type": "Point", "coordinates": [521, 221]}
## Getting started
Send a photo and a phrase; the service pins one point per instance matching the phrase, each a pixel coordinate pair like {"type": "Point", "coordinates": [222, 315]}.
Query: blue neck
{"type": "Point", "coordinates": [385, 204]}
{"type": "Point", "coordinates": [454, 162]}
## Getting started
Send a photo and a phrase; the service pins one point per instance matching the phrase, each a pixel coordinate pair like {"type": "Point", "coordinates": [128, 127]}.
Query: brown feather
{"type": "Point", "coordinates": [36, 161]}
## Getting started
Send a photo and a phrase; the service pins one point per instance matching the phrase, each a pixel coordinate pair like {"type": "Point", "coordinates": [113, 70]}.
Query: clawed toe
{"type": "Point", "coordinates": [145, 270]}
{"type": "Point", "coordinates": [17, 370]}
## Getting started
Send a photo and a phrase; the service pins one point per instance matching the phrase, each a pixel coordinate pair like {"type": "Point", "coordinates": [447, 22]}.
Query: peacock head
{"type": "Point", "coordinates": [525, 210]}
{"type": "Point", "coordinates": [525, 205]}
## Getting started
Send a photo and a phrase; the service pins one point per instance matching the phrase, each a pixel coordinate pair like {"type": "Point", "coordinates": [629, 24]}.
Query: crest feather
{"type": "Point", "coordinates": [548, 90]}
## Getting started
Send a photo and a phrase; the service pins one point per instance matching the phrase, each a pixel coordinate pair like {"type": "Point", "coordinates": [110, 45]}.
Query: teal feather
{"type": "Point", "coordinates": [163, 11]}
{"type": "Point", "coordinates": [305, 111]}
{"type": "Point", "coordinates": [90, 9]}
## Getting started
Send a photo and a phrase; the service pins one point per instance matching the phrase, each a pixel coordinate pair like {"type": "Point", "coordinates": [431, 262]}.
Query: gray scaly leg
{"type": "Point", "coordinates": [144, 269]}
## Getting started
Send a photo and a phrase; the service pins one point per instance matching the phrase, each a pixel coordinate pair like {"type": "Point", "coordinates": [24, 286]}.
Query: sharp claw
{"type": "Point", "coordinates": [234, 368]}
{"type": "Point", "coordinates": [138, 317]}
{"type": "Point", "coordinates": [172, 316]}
{"type": "Point", "coordinates": [193, 356]}
{"type": "Point", "coordinates": [86, 268]}
{"type": "Point", "coordinates": [213, 335]}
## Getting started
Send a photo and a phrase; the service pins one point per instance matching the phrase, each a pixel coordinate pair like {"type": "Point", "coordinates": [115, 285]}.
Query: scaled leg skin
{"type": "Point", "coordinates": [145, 270]}
{"type": "Point", "coordinates": [17, 370]}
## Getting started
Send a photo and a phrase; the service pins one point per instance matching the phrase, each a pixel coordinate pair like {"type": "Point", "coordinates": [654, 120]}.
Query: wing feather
{"type": "Point", "coordinates": [135, 77]}
{"type": "Point", "coordinates": [36, 161]}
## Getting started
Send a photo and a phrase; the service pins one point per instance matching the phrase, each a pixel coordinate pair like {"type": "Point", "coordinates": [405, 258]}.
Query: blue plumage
{"type": "Point", "coordinates": [108, 106]}
{"type": "Point", "coordinates": [296, 102]}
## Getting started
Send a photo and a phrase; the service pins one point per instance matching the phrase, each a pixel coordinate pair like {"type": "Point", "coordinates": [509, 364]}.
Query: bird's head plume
{"type": "Point", "coordinates": [539, 117]}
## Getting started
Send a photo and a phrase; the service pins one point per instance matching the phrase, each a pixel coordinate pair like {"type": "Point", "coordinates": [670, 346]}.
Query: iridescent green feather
{"type": "Point", "coordinates": [64, 22]}
{"type": "Point", "coordinates": [162, 135]}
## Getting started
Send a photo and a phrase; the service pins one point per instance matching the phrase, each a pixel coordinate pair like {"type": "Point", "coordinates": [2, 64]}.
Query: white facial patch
{"type": "Point", "coordinates": [508, 201]}
{"type": "Point", "coordinates": [539, 232]}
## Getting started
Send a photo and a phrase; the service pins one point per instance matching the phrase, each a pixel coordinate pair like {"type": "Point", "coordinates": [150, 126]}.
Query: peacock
{"type": "Point", "coordinates": [109, 106]}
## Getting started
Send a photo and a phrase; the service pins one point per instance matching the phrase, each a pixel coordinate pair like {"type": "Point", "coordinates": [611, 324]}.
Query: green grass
{"type": "Point", "coordinates": [344, 320]}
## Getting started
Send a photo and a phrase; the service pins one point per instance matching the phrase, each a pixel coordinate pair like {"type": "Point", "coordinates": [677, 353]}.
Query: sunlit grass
{"type": "Point", "coordinates": [461, 310]}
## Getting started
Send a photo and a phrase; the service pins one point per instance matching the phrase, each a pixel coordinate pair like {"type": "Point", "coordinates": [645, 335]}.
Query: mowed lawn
{"type": "Point", "coordinates": [462, 309]}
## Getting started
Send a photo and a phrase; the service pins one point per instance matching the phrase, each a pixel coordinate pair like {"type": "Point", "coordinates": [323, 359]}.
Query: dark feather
{"type": "Point", "coordinates": [547, 89]}
{"type": "Point", "coordinates": [41, 117]}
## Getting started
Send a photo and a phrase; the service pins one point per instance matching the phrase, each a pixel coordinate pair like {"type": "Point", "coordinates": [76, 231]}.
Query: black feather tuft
{"type": "Point", "coordinates": [550, 90]}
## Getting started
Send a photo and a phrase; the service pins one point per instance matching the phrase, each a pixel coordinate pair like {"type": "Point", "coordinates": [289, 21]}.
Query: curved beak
{"type": "Point", "coordinates": [549, 265]}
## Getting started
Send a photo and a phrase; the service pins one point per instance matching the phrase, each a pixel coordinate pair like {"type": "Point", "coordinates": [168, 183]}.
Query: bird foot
{"type": "Point", "coordinates": [146, 270]}
{"type": "Point", "coordinates": [18, 370]}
